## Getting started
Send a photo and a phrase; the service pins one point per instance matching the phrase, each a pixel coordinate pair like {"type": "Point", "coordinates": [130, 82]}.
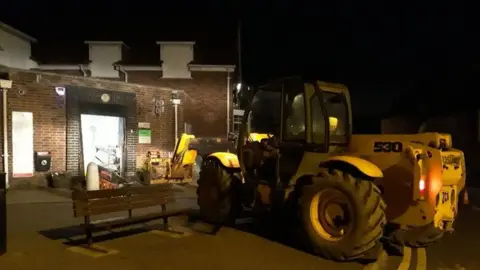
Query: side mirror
{"type": "Point", "coordinates": [241, 95]}
{"type": "Point", "coordinates": [235, 98]}
{"type": "Point", "coordinates": [333, 123]}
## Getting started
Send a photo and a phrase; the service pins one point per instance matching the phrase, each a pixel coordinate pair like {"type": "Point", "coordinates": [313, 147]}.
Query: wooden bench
{"type": "Point", "coordinates": [90, 203]}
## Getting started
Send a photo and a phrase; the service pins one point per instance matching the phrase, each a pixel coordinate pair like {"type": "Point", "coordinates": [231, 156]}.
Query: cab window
{"type": "Point", "coordinates": [336, 107]}
{"type": "Point", "coordinates": [295, 118]}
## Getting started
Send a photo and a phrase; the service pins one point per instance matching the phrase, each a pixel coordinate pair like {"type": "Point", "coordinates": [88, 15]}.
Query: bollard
{"type": "Point", "coordinates": [3, 214]}
{"type": "Point", "coordinates": [93, 176]}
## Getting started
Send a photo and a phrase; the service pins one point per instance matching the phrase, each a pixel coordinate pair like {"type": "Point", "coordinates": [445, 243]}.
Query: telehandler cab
{"type": "Point", "coordinates": [295, 147]}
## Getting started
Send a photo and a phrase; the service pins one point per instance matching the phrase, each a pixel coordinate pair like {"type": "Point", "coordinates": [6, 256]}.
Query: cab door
{"type": "Point", "coordinates": [303, 127]}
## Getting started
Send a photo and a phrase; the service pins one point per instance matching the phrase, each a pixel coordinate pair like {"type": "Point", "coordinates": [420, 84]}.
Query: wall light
{"type": "Point", "coordinates": [60, 90]}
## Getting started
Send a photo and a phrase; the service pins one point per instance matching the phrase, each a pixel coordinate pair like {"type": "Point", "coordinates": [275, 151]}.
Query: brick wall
{"type": "Point", "coordinates": [206, 102]}
{"type": "Point", "coordinates": [50, 118]}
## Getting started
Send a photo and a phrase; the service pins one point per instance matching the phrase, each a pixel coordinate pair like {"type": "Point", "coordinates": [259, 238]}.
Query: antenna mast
{"type": "Point", "coordinates": [239, 51]}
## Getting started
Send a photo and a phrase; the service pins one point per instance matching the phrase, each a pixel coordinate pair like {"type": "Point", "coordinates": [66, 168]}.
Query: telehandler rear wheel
{"type": "Point", "coordinates": [217, 193]}
{"type": "Point", "coordinates": [416, 237]}
{"type": "Point", "coordinates": [343, 216]}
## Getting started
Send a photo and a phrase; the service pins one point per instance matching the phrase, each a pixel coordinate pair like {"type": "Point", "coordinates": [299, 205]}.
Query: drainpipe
{"type": "Point", "coordinates": [228, 102]}
{"type": "Point", "coordinates": [176, 101]}
{"type": "Point", "coordinates": [83, 70]}
{"type": "Point", "coordinates": [125, 74]}
{"type": "Point", "coordinates": [176, 121]}
{"type": "Point", "coordinates": [5, 136]}
{"type": "Point", "coordinates": [4, 86]}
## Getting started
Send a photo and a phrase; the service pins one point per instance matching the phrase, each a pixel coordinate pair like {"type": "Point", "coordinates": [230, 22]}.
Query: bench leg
{"type": "Point", "coordinates": [89, 236]}
{"type": "Point", "coordinates": [166, 226]}
{"type": "Point", "coordinates": [88, 231]}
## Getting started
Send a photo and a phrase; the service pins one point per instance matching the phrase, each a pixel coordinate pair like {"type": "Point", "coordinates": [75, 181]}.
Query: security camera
{"type": "Point", "coordinates": [5, 84]}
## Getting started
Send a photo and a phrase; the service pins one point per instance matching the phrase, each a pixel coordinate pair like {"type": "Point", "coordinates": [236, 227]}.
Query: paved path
{"type": "Point", "coordinates": [33, 229]}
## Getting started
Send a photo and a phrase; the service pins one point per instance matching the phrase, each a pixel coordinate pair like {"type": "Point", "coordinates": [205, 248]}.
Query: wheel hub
{"type": "Point", "coordinates": [330, 214]}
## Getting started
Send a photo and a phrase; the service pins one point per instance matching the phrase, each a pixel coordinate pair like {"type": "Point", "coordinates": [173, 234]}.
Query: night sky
{"type": "Point", "coordinates": [381, 51]}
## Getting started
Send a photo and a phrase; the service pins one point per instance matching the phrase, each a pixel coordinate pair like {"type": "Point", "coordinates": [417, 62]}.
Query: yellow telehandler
{"type": "Point", "coordinates": [181, 168]}
{"type": "Point", "coordinates": [178, 169]}
{"type": "Point", "coordinates": [295, 148]}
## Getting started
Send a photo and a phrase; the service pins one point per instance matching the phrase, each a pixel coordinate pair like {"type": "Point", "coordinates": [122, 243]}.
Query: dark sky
{"type": "Point", "coordinates": [374, 47]}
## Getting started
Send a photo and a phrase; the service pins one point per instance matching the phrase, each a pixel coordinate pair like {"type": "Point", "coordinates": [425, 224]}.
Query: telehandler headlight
{"type": "Point", "coordinates": [421, 188]}
{"type": "Point", "coordinates": [421, 185]}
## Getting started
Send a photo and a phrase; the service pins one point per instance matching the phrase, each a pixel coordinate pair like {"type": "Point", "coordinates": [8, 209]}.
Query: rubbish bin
{"type": "Point", "coordinates": [59, 180]}
{"type": "Point", "coordinates": [3, 214]}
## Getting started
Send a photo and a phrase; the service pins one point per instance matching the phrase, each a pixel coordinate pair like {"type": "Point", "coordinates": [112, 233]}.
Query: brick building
{"type": "Point", "coordinates": [108, 78]}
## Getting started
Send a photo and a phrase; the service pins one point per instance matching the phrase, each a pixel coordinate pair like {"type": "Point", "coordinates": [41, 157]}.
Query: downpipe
{"type": "Point", "coordinates": [82, 69]}
{"type": "Point", "coordinates": [175, 106]}
{"type": "Point", "coordinates": [175, 101]}
{"type": "Point", "coordinates": [5, 136]}
{"type": "Point", "coordinates": [228, 102]}
{"type": "Point", "coordinates": [125, 74]}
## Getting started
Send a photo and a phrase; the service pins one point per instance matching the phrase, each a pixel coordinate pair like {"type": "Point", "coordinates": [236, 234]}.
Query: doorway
{"type": "Point", "coordinates": [103, 140]}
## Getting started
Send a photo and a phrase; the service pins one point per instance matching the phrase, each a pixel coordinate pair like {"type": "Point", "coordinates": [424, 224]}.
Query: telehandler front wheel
{"type": "Point", "coordinates": [343, 216]}
{"type": "Point", "coordinates": [217, 193]}
{"type": "Point", "coordinates": [419, 237]}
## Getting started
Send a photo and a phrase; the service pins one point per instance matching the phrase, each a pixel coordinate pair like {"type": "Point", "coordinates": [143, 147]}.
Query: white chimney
{"type": "Point", "coordinates": [102, 55]}
{"type": "Point", "coordinates": [176, 55]}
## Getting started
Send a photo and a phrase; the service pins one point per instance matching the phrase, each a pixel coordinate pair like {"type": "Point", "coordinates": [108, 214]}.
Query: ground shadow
{"type": "Point", "coordinates": [75, 235]}
{"type": "Point", "coordinates": [275, 229]}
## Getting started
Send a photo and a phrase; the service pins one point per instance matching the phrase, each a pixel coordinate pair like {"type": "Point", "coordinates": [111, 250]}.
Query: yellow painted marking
{"type": "Point", "coordinates": [407, 256]}
{"type": "Point", "coordinates": [457, 267]}
{"type": "Point", "coordinates": [93, 253]}
{"type": "Point", "coordinates": [421, 259]}
{"type": "Point", "coordinates": [381, 262]}
{"type": "Point", "coordinates": [171, 234]}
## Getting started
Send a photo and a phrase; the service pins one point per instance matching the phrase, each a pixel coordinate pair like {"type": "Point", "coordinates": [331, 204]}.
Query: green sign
{"type": "Point", "coordinates": [144, 136]}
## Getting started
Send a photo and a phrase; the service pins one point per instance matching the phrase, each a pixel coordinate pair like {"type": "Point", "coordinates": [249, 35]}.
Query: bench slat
{"type": "Point", "coordinates": [80, 195]}
{"type": "Point", "coordinates": [95, 194]}
{"type": "Point", "coordinates": [91, 208]}
{"type": "Point", "coordinates": [153, 202]}
{"type": "Point", "coordinates": [122, 222]}
{"type": "Point", "coordinates": [153, 189]}
{"type": "Point", "coordinates": [141, 197]}
{"type": "Point", "coordinates": [103, 202]}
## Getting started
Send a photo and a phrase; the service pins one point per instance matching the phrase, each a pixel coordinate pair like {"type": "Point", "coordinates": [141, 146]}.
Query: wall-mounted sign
{"type": "Point", "coordinates": [158, 106]}
{"type": "Point", "coordinates": [105, 98]}
{"type": "Point", "coordinates": [143, 125]}
{"type": "Point", "coordinates": [144, 136]}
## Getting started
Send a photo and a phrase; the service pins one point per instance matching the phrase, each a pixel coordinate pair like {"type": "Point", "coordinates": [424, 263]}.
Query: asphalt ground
{"type": "Point", "coordinates": [42, 234]}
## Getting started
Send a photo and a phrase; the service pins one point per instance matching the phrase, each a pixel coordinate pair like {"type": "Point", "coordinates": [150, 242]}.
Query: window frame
{"type": "Point", "coordinates": [285, 117]}
{"type": "Point", "coordinates": [339, 139]}
{"type": "Point", "coordinates": [321, 105]}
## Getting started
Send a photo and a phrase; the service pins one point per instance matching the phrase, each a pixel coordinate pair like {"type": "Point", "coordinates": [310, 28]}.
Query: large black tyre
{"type": "Point", "coordinates": [217, 193]}
{"type": "Point", "coordinates": [361, 237]}
{"type": "Point", "coordinates": [416, 237]}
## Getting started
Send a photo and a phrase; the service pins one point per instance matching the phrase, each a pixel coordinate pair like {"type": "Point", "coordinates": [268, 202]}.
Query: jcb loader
{"type": "Point", "coordinates": [295, 148]}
